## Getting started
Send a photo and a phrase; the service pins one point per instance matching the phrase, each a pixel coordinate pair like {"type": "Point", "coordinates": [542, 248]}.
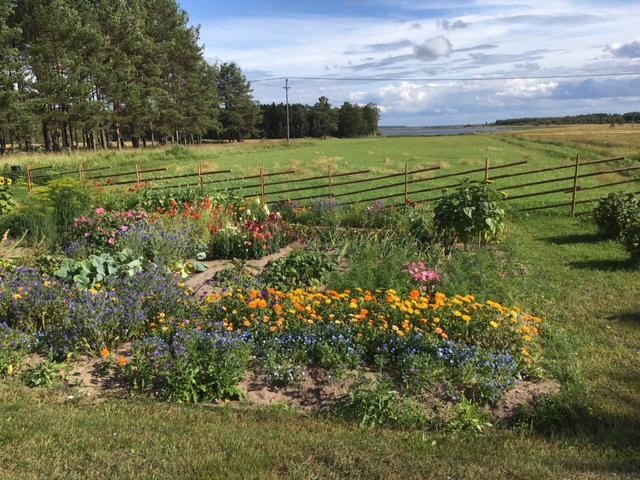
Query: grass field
{"type": "Point", "coordinates": [540, 148]}
{"type": "Point", "coordinates": [585, 287]}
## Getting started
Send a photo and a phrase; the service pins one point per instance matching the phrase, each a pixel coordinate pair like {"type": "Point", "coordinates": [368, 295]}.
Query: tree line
{"type": "Point", "coordinates": [98, 73]}
{"type": "Point", "coordinates": [605, 118]}
{"type": "Point", "coordinates": [320, 120]}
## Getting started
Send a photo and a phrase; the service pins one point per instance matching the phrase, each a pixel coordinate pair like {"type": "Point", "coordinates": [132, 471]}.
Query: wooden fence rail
{"type": "Point", "coordinates": [326, 188]}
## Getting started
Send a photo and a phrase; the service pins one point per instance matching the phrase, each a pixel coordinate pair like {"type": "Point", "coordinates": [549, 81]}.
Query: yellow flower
{"type": "Point", "coordinates": [17, 296]}
{"type": "Point", "coordinates": [494, 324]}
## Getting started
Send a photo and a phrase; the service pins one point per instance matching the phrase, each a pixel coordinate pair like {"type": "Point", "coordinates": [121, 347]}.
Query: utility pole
{"type": "Point", "coordinates": [286, 89]}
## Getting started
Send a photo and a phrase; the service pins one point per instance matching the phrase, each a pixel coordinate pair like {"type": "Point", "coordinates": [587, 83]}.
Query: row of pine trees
{"type": "Point", "coordinates": [320, 120]}
{"type": "Point", "coordinates": [98, 73]}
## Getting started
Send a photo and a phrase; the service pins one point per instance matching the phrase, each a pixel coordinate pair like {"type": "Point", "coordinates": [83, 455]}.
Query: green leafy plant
{"type": "Point", "coordinates": [190, 365]}
{"type": "Point", "coordinates": [378, 404]}
{"type": "Point", "coordinates": [616, 212]}
{"type": "Point", "coordinates": [300, 269]}
{"type": "Point", "coordinates": [468, 418]}
{"type": "Point", "coordinates": [13, 348]}
{"type": "Point", "coordinates": [46, 374]}
{"type": "Point", "coordinates": [97, 268]}
{"type": "Point", "coordinates": [631, 240]}
{"type": "Point", "coordinates": [7, 203]}
{"type": "Point", "coordinates": [473, 212]}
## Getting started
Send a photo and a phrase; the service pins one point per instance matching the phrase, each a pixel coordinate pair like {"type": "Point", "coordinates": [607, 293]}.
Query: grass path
{"type": "Point", "coordinates": [582, 284]}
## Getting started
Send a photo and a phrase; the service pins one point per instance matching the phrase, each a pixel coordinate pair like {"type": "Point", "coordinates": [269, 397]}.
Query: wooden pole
{"type": "Point", "coordinates": [286, 89]}
{"type": "Point", "coordinates": [80, 172]}
{"type": "Point", "coordinates": [200, 179]}
{"type": "Point", "coordinates": [262, 189]}
{"type": "Point", "coordinates": [486, 169]}
{"type": "Point", "coordinates": [330, 181]}
{"type": "Point", "coordinates": [575, 186]}
{"type": "Point", "coordinates": [29, 179]}
{"type": "Point", "coordinates": [406, 182]}
{"type": "Point", "coordinates": [138, 173]}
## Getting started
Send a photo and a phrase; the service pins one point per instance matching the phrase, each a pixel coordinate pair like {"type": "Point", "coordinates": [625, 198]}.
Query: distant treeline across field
{"type": "Point", "coordinates": [591, 118]}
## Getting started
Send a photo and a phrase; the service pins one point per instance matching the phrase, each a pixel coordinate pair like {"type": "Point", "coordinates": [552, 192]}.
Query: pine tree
{"type": "Point", "coordinates": [240, 115]}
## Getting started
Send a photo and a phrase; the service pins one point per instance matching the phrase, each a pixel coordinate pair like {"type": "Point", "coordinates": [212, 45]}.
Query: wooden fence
{"type": "Point", "coordinates": [410, 185]}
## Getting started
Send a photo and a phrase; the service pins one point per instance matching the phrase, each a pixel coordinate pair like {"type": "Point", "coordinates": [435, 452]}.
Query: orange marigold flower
{"type": "Point", "coordinates": [122, 361]}
{"type": "Point", "coordinates": [105, 353]}
{"type": "Point", "coordinates": [415, 294]}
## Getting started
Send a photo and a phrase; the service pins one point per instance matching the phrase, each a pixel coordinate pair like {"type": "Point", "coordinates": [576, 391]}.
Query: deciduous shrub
{"type": "Point", "coordinates": [616, 212]}
{"type": "Point", "coordinates": [631, 240]}
{"type": "Point", "coordinates": [472, 213]}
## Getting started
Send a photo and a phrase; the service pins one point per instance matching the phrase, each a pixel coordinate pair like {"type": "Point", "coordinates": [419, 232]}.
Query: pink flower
{"type": "Point", "coordinates": [111, 242]}
{"type": "Point", "coordinates": [124, 228]}
{"type": "Point", "coordinates": [100, 211]}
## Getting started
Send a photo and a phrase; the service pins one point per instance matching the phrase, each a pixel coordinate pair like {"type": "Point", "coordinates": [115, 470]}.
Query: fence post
{"type": "Point", "coordinates": [406, 182]}
{"type": "Point", "coordinates": [575, 186]}
{"type": "Point", "coordinates": [138, 173]}
{"type": "Point", "coordinates": [330, 181]}
{"type": "Point", "coordinates": [262, 188]}
{"type": "Point", "coordinates": [486, 169]}
{"type": "Point", "coordinates": [200, 179]}
{"type": "Point", "coordinates": [80, 171]}
{"type": "Point", "coordinates": [29, 178]}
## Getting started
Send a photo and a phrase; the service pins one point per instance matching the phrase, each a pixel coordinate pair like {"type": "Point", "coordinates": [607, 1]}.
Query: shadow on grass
{"type": "Point", "coordinates": [604, 265]}
{"type": "Point", "coordinates": [629, 317]}
{"type": "Point", "coordinates": [563, 417]}
{"type": "Point", "coordinates": [574, 238]}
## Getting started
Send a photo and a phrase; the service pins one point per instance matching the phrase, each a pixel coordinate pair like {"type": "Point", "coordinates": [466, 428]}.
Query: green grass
{"type": "Point", "coordinates": [584, 287]}
{"type": "Point", "coordinates": [380, 155]}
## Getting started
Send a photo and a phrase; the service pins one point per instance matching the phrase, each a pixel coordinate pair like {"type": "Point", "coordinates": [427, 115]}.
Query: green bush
{"type": "Point", "coordinates": [300, 269]}
{"type": "Point", "coordinates": [472, 213]}
{"type": "Point", "coordinates": [631, 240]}
{"type": "Point", "coordinates": [49, 211]}
{"type": "Point", "coordinates": [615, 213]}
{"type": "Point", "coordinates": [378, 404]}
{"type": "Point", "coordinates": [7, 203]}
{"type": "Point", "coordinates": [35, 218]}
{"type": "Point", "coordinates": [190, 365]}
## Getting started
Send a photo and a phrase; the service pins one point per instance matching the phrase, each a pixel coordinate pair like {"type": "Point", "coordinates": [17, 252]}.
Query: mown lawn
{"type": "Point", "coordinates": [584, 287]}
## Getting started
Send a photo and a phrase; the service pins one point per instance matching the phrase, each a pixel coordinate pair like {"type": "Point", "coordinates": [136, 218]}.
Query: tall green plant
{"type": "Point", "coordinates": [473, 212]}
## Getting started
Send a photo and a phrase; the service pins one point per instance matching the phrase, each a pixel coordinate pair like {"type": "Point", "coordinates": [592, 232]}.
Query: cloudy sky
{"type": "Point", "coordinates": [417, 49]}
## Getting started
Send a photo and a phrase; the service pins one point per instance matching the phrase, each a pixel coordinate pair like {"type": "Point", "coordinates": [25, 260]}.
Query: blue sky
{"type": "Point", "coordinates": [435, 40]}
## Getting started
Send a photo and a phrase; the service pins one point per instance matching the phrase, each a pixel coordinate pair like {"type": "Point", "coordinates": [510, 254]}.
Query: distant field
{"type": "Point", "coordinates": [604, 139]}
{"type": "Point", "coordinates": [539, 147]}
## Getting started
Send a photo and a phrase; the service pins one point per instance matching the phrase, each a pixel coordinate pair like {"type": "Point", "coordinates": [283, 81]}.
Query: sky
{"type": "Point", "coordinates": [423, 53]}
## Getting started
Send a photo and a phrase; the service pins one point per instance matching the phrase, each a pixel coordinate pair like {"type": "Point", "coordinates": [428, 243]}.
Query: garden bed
{"type": "Point", "coordinates": [188, 297]}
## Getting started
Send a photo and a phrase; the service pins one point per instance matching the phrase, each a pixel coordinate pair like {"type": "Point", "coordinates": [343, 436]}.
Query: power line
{"type": "Point", "coordinates": [448, 79]}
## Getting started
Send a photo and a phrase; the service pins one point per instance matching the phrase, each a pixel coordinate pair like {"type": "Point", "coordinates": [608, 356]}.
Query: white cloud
{"type": "Point", "coordinates": [406, 96]}
{"type": "Point", "coordinates": [433, 48]}
{"type": "Point", "coordinates": [625, 50]}
{"type": "Point", "coordinates": [530, 38]}
{"type": "Point", "coordinates": [527, 89]}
